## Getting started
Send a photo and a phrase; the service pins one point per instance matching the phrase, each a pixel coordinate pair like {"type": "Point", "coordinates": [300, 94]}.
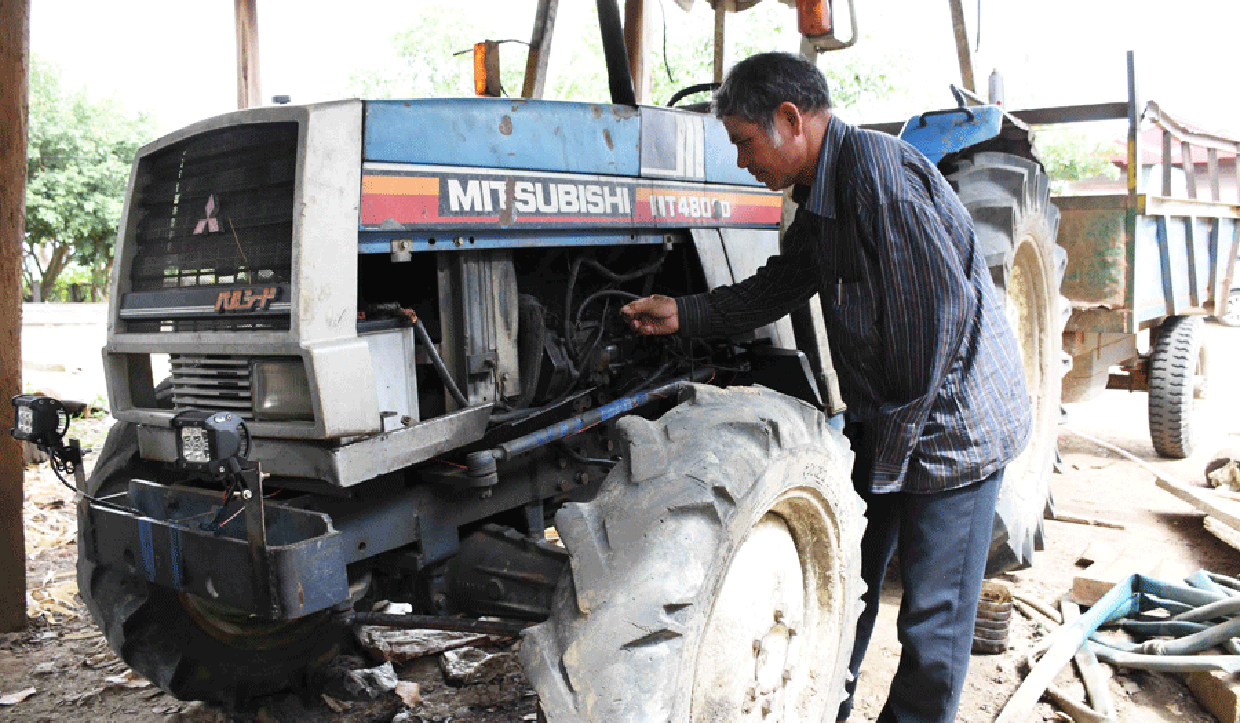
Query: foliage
{"type": "Point", "coordinates": [79, 154]}
{"type": "Point", "coordinates": [1070, 155]}
{"type": "Point", "coordinates": [436, 59]}
{"type": "Point", "coordinates": [683, 55]}
{"type": "Point", "coordinates": [857, 77]}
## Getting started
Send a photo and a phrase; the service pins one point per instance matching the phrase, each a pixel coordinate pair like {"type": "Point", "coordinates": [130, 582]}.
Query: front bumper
{"type": "Point", "coordinates": [156, 533]}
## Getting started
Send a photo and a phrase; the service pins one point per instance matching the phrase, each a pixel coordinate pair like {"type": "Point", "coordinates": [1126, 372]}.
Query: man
{"type": "Point", "coordinates": [927, 363]}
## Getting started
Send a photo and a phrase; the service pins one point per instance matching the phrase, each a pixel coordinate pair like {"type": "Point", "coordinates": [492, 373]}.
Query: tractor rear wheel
{"type": "Point", "coordinates": [190, 647]}
{"type": "Point", "coordinates": [716, 576]}
{"type": "Point", "coordinates": [1009, 199]}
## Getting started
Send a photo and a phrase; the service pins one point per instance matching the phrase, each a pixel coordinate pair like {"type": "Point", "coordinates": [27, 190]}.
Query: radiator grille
{"type": "Point", "coordinates": [212, 210]}
{"type": "Point", "coordinates": [212, 382]}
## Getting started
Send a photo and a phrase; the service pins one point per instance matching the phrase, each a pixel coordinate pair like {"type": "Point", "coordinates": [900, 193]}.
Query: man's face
{"type": "Point", "coordinates": [770, 160]}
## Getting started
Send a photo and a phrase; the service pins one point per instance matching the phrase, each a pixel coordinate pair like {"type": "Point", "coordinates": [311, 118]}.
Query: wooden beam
{"type": "Point", "coordinates": [249, 85]}
{"type": "Point", "coordinates": [964, 53]}
{"type": "Point", "coordinates": [14, 80]}
{"type": "Point", "coordinates": [635, 42]}
{"type": "Point", "coordinates": [540, 49]}
{"type": "Point", "coordinates": [721, 24]}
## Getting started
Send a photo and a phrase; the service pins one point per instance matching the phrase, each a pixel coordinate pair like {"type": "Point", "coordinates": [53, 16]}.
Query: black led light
{"type": "Point", "coordinates": [207, 440]}
{"type": "Point", "coordinates": [41, 420]}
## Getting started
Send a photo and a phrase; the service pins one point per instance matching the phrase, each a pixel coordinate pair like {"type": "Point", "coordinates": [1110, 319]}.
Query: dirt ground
{"type": "Point", "coordinates": [74, 677]}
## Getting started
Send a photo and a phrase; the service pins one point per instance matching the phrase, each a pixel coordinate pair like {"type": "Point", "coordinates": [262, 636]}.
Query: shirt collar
{"type": "Point", "coordinates": [819, 198]}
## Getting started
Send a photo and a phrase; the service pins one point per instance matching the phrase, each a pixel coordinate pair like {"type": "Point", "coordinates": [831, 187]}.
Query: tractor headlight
{"type": "Point", "coordinates": [281, 390]}
{"type": "Point", "coordinates": [41, 420]}
{"type": "Point", "coordinates": [206, 440]}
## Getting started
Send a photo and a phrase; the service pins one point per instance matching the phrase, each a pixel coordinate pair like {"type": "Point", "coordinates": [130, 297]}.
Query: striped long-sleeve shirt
{"type": "Point", "coordinates": [925, 356]}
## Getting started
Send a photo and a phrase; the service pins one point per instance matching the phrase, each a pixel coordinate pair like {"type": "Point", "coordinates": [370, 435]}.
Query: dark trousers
{"type": "Point", "coordinates": [943, 540]}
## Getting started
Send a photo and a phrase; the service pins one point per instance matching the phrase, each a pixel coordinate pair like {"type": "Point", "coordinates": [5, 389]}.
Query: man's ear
{"type": "Point", "coordinates": [792, 114]}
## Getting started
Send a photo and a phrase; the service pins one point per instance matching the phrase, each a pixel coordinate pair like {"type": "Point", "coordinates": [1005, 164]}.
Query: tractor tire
{"type": "Point", "coordinates": [716, 575]}
{"type": "Point", "coordinates": [191, 648]}
{"type": "Point", "coordinates": [1009, 199]}
{"type": "Point", "coordinates": [1177, 380]}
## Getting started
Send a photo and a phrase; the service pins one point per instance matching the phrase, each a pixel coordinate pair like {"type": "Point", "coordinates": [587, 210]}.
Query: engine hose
{"type": "Point", "coordinates": [425, 340]}
{"type": "Point", "coordinates": [531, 333]}
{"type": "Point", "coordinates": [606, 273]}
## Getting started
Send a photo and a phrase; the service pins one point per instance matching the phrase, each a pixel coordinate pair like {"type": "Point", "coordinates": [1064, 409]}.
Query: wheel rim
{"type": "Point", "coordinates": [1026, 306]}
{"type": "Point", "coordinates": [1200, 385]}
{"type": "Point", "coordinates": [776, 620]}
{"type": "Point", "coordinates": [239, 629]}
{"type": "Point", "coordinates": [1232, 317]}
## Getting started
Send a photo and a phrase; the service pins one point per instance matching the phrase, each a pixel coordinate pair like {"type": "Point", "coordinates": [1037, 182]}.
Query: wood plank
{"type": "Point", "coordinates": [1224, 532]}
{"type": "Point", "coordinates": [1098, 579]}
{"type": "Point", "coordinates": [1218, 693]}
{"type": "Point", "coordinates": [1190, 170]}
{"type": "Point", "coordinates": [1224, 510]}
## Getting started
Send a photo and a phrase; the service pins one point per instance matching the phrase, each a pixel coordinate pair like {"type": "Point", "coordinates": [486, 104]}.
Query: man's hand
{"type": "Point", "coordinates": [652, 315]}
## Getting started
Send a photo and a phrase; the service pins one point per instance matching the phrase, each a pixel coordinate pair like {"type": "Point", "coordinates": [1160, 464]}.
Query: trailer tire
{"type": "Point", "coordinates": [1177, 380]}
{"type": "Point", "coordinates": [190, 651]}
{"type": "Point", "coordinates": [726, 540]}
{"type": "Point", "coordinates": [1008, 197]}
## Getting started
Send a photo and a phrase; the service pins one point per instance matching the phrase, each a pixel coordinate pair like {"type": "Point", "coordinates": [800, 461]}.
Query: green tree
{"type": "Point", "coordinates": [1070, 155]}
{"type": "Point", "coordinates": [79, 153]}
{"type": "Point", "coordinates": [683, 55]}
{"type": "Point", "coordinates": [436, 58]}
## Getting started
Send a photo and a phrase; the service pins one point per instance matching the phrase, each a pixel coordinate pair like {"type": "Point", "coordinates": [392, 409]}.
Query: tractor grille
{"type": "Point", "coordinates": [212, 382]}
{"type": "Point", "coordinates": [215, 210]}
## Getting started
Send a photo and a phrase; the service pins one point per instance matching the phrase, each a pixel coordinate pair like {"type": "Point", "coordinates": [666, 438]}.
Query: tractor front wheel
{"type": "Point", "coordinates": [716, 576]}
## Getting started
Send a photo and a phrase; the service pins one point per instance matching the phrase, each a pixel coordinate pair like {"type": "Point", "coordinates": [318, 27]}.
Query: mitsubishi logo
{"type": "Point", "coordinates": [210, 224]}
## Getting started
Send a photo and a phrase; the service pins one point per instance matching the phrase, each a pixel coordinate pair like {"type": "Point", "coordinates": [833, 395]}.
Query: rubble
{"type": "Point", "coordinates": [471, 666]}
{"type": "Point", "coordinates": [371, 682]}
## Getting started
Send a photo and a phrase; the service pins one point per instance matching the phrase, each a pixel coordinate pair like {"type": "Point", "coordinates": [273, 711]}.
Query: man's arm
{"type": "Point", "coordinates": [929, 303]}
{"type": "Point", "coordinates": [784, 282]}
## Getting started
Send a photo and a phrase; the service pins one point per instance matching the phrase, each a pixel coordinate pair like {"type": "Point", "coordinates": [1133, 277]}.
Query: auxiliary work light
{"type": "Point", "coordinates": [41, 420]}
{"type": "Point", "coordinates": [207, 440]}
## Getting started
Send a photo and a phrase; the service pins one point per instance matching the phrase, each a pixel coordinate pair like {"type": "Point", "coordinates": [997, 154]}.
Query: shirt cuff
{"type": "Point", "coordinates": [692, 314]}
{"type": "Point", "coordinates": [894, 442]}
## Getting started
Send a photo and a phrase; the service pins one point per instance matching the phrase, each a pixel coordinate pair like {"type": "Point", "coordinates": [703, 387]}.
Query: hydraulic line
{"type": "Point", "coordinates": [425, 340]}
{"type": "Point", "coordinates": [481, 465]}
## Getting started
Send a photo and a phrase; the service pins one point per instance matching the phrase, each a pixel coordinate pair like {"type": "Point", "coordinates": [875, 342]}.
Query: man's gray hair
{"type": "Point", "coordinates": [756, 86]}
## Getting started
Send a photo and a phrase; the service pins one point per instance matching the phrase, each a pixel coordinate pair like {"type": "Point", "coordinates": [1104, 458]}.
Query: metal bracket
{"type": "Point", "coordinates": [264, 579]}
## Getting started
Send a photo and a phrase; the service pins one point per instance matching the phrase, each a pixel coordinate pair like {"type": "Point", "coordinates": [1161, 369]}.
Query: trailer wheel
{"type": "Point", "coordinates": [716, 576]}
{"type": "Point", "coordinates": [1177, 380]}
{"type": "Point", "coordinates": [190, 648]}
{"type": "Point", "coordinates": [1009, 199]}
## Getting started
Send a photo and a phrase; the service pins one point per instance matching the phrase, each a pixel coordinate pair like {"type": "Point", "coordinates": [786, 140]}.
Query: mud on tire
{"type": "Point", "coordinates": [716, 576]}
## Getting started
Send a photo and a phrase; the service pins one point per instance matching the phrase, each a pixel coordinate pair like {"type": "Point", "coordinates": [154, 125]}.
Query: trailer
{"type": "Point", "coordinates": [1157, 258]}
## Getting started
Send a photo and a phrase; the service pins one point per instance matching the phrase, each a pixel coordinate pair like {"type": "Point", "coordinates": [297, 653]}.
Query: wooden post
{"type": "Point", "coordinates": [721, 22]}
{"type": "Point", "coordinates": [14, 80]}
{"type": "Point", "coordinates": [249, 87]}
{"type": "Point", "coordinates": [635, 41]}
{"type": "Point", "coordinates": [540, 49]}
{"type": "Point", "coordinates": [963, 52]}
